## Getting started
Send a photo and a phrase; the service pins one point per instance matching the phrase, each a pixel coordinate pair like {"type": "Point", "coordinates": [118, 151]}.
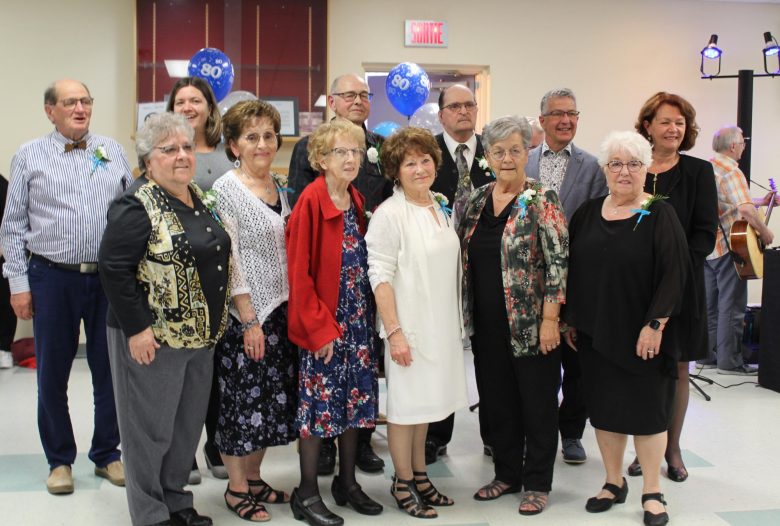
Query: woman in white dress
{"type": "Point", "coordinates": [413, 258]}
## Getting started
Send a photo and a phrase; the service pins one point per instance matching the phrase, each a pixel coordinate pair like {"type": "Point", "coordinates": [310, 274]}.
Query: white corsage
{"type": "Point", "coordinates": [99, 158]}
{"type": "Point", "coordinates": [373, 155]}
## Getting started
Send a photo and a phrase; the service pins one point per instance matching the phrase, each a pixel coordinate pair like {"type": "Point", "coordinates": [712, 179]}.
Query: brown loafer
{"type": "Point", "coordinates": [60, 481]}
{"type": "Point", "coordinates": [113, 472]}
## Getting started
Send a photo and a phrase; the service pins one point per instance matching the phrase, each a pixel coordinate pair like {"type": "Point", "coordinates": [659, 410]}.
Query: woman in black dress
{"type": "Point", "coordinates": [627, 251]}
{"type": "Point", "coordinates": [669, 122]}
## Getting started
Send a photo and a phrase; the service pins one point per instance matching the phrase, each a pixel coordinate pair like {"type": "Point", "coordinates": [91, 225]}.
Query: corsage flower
{"type": "Point", "coordinates": [209, 200]}
{"type": "Point", "coordinates": [483, 164]}
{"type": "Point", "coordinates": [442, 200]}
{"type": "Point", "coordinates": [99, 158]}
{"type": "Point", "coordinates": [529, 197]}
{"type": "Point", "coordinates": [372, 154]}
{"type": "Point", "coordinates": [644, 207]}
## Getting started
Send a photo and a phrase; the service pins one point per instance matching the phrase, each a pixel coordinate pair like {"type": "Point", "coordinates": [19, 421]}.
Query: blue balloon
{"type": "Point", "coordinates": [386, 128]}
{"type": "Point", "coordinates": [213, 66]}
{"type": "Point", "coordinates": [407, 87]}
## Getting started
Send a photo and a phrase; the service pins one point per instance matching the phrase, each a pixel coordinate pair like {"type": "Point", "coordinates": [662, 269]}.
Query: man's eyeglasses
{"type": "Point", "coordinates": [616, 166]}
{"type": "Point", "coordinates": [350, 96]}
{"type": "Point", "coordinates": [341, 153]}
{"type": "Point", "coordinates": [558, 114]}
{"type": "Point", "coordinates": [514, 153]}
{"type": "Point", "coordinates": [69, 104]}
{"type": "Point", "coordinates": [457, 106]}
{"type": "Point", "coordinates": [173, 149]}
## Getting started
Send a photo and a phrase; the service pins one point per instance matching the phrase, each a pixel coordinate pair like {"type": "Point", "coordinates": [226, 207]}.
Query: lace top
{"type": "Point", "coordinates": [257, 232]}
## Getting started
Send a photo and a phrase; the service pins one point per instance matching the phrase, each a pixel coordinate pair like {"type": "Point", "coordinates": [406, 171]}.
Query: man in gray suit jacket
{"type": "Point", "coordinates": [577, 177]}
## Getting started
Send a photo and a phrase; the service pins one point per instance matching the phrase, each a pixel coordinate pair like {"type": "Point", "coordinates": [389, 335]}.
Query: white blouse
{"type": "Point", "coordinates": [258, 249]}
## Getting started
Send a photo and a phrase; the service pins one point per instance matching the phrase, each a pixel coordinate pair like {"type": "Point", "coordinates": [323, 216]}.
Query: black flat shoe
{"type": "Point", "coordinates": [596, 505]}
{"type": "Point", "coordinates": [367, 460]}
{"type": "Point", "coordinates": [302, 509]}
{"type": "Point", "coordinates": [635, 468]}
{"type": "Point", "coordinates": [676, 474]}
{"type": "Point", "coordinates": [356, 497]}
{"type": "Point", "coordinates": [433, 451]}
{"type": "Point", "coordinates": [655, 519]}
{"type": "Point", "coordinates": [189, 517]}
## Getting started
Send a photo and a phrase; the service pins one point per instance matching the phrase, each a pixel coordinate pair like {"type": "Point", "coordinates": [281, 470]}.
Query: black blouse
{"type": "Point", "coordinates": [621, 276]}
{"type": "Point", "coordinates": [124, 245]}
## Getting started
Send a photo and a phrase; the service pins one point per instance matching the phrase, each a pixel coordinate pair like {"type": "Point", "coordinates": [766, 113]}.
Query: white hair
{"type": "Point", "coordinates": [626, 141]}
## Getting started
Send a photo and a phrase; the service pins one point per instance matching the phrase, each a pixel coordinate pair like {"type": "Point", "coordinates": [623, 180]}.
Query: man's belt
{"type": "Point", "coordinates": [83, 268]}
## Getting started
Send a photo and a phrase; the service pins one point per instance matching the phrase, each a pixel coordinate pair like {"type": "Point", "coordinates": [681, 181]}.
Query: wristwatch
{"type": "Point", "coordinates": [655, 325]}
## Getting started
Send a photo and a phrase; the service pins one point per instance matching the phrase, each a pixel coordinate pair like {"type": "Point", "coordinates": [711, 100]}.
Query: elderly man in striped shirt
{"type": "Point", "coordinates": [61, 187]}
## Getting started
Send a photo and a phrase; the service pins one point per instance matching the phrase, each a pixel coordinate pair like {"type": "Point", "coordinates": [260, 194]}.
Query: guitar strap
{"type": "Point", "coordinates": [734, 256]}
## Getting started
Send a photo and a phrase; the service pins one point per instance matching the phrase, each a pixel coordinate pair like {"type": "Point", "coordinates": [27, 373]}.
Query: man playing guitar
{"type": "Point", "coordinates": [726, 292]}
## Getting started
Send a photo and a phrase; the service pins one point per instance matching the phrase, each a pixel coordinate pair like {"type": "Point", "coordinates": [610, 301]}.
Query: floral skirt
{"type": "Point", "coordinates": [258, 399]}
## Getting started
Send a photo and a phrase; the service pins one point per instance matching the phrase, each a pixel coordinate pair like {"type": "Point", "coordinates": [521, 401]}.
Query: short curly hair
{"type": "Point", "coordinates": [650, 108]}
{"type": "Point", "coordinates": [241, 114]}
{"type": "Point", "coordinates": [321, 141]}
{"type": "Point", "coordinates": [404, 141]}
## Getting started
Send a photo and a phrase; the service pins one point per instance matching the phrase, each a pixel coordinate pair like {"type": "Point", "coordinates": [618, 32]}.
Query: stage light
{"type": "Point", "coordinates": [771, 47]}
{"type": "Point", "coordinates": [711, 50]}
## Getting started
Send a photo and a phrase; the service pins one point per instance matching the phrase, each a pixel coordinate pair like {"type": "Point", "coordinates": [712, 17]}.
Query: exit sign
{"type": "Point", "coordinates": [425, 33]}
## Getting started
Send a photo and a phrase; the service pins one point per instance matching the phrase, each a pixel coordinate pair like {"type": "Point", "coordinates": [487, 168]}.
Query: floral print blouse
{"type": "Point", "coordinates": [534, 262]}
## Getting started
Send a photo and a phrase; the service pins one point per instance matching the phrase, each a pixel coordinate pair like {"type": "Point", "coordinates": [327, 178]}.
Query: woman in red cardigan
{"type": "Point", "coordinates": [330, 303]}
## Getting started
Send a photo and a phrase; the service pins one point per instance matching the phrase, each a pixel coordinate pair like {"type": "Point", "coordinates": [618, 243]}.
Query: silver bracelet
{"type": "Point", "coordinates": [249, 324]}
{"type": "Point", "coordinates": [397, 329]}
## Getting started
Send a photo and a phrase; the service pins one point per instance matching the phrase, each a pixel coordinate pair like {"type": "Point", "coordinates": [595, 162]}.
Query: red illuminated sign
{"type": "Point", "coordinates": [425, 33]}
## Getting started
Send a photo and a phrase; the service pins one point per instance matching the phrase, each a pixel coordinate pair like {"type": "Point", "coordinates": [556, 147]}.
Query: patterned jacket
{"type": "Point", "coordinates": [170, 278]}
{"type": "Point", "coordinates": [534, 262]}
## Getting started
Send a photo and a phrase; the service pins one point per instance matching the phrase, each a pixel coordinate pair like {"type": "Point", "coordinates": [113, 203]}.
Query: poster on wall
{"type": "Point", "coordinates": [288, 110]}
{"type": "Point", "coordinates": [145, 109]}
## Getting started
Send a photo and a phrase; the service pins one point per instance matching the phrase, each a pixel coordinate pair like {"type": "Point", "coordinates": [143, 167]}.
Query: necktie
{"type": "Point", "coordinates": [80, 145]}
{"type": "Point", "coordinates": [464, 183]}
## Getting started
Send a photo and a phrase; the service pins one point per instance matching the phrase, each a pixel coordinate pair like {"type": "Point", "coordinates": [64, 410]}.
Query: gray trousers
{"type": "Point", "coordinates": [726, 303]}
{"type": "Point", "coordinates": [161, 408]}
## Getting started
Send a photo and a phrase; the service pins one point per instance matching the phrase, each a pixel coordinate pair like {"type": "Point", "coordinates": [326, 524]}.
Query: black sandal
{"type": "Point", "coordinates": [655, 519]}
{"type": "Point", "coordinates": [493, 490]}
{"type": "Point", "coordinates": [414, 504]}
{"type": "Point", "coordinates": [430, 495]}
{"type": "Point", "coordinates": [265, 492]}
{"type": "Point", "coordinates": [246, 507]}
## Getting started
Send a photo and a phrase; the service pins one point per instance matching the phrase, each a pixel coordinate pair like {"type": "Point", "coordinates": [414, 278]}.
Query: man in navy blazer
{"type": "Point", "coordinates": [577, 177]}
{"type": "Point", "coordinates": [458, 117]}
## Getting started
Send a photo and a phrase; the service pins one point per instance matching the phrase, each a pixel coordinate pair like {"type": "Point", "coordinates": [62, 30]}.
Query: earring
{"type": "Point", "coordinates": [237, 163]}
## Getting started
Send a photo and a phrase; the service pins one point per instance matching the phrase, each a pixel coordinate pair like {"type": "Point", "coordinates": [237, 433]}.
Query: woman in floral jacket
{"type": "Point", "coordinates": [514, 250]}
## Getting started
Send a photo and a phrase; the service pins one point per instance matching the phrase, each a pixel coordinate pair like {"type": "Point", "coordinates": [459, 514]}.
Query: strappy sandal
{"type": "Point", "coordinates": [247, 507]}
{"type": "Point", "coordinates": [265, 492]}
{"type": "Point", "coordinates": [494, 489]}
{"type": "Point", "coordinates": [414, 504]}
{"type": "Point", "coordinates": [430, 495]}
{"type": "Point", "coordinates": [536, 499]}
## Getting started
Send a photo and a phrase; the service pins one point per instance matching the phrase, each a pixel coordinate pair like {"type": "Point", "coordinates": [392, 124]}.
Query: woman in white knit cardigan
{"type": "Point", "coordinates": [414, 268]}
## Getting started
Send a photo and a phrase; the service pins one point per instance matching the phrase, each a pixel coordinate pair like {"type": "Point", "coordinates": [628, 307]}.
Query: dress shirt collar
{"type": "Point", "coordinates": [546, 149]}
{"type": "Point", "coordinates": [726, 161]}
{"type": "Point", "coordinates": [452, 144]}
{"type": "Point", "coordinates": [61, 140]}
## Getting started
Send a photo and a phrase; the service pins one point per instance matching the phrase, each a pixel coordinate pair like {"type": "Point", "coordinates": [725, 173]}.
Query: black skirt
{"type": "Point", "coordinates": [620, 401]}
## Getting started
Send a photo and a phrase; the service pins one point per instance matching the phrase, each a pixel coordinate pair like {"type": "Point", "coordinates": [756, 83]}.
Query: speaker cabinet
{"type": "Point", "coordinates": [769, 355]}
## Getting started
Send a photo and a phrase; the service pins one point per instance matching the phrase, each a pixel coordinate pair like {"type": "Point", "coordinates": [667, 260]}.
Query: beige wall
{"type": "Point", "coordinates": [42, 40]}
{"type": "Point", "coordinates": [614, 55]}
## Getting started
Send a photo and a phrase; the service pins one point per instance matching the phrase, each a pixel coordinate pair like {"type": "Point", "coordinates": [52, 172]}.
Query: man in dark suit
{"type": "Point", "coordinates": [459, 173]}
{"type": "Point", "coordinates": [350, 99]}
{"type": "Point", "coordinates": [576, 176]}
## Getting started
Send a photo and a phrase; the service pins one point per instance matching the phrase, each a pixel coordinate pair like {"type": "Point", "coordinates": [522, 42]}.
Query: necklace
{"type": "Point", "coordinates": [616, 209]}
{"type": "Point", "coordinates": [251, 182]}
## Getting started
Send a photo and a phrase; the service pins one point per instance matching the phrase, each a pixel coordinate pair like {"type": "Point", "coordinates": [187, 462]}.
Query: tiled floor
{"type": "Point", "coordinates": [731, 445]}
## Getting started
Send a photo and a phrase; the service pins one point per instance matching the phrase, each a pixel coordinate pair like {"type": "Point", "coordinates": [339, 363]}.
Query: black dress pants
{"type": "Point", "coordinates": [519, 399]}
{"type": "Point", "coordinates": [572, 414]}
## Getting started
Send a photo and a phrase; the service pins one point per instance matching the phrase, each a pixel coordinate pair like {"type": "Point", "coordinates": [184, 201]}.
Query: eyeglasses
{"type": "Point", "coordinates": [267, 137]}
{"type": "Point", "coordinates": [457, 106]}
{"type": "Point", "coordinates": [69, 104]}
{"type": "Point", "coordinates": [616, 166]}
{"type": "Point", "coordinates": [173, 149]}
{"type": "Point", "coordinates": [558, 114]}
{"type": "Point", "coordinates": [350, 96]}
{"type": "Point", "coordinates": [341, 153]}
{"type": "Point", "coordinates": [514, 153]}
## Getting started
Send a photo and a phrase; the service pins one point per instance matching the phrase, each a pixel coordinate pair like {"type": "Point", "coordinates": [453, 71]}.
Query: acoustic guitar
{"type": "Point", "coordinates": [747, 246]}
